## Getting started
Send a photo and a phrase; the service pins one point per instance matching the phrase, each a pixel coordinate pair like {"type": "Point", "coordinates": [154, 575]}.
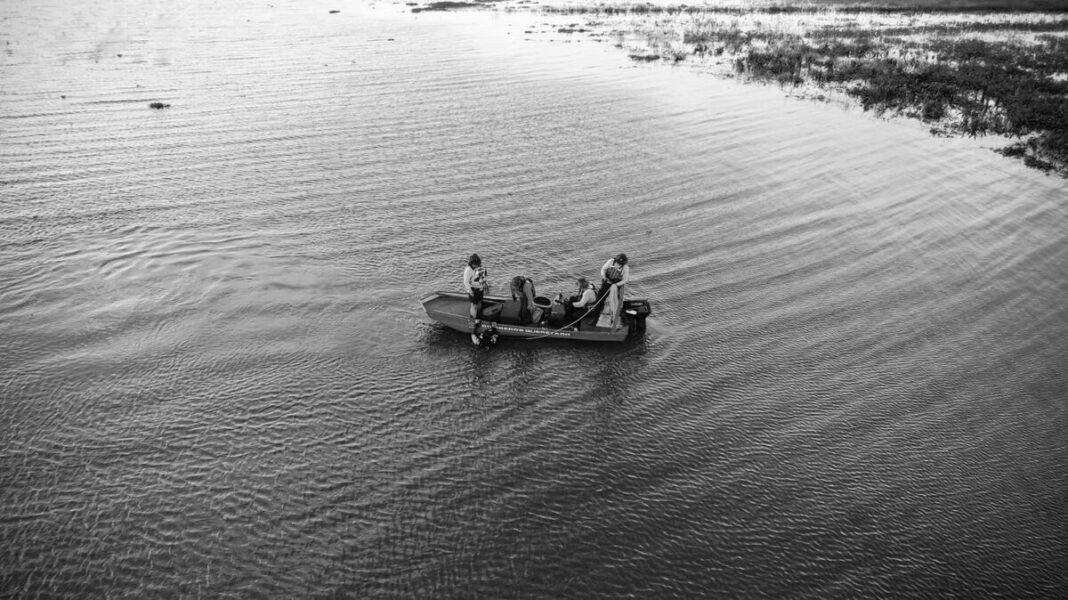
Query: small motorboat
{"type": "Point", "coordinates": [453, 310]}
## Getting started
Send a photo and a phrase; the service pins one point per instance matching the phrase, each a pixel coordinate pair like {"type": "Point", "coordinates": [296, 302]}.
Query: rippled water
{"type": "Point", "coordinates": [217, 379]}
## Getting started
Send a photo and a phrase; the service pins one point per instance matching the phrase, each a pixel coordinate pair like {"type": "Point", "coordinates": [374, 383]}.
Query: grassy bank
{"type": "Point", "coordinates": [801, 6]}
{"type": "Point", "coordinates": [959, 83]}
{"type": "Point", "coordinates": [978, 67]}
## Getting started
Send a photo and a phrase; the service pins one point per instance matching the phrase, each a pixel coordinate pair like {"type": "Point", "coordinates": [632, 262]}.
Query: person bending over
{"type": "Point", "coordinates": [523, 290]}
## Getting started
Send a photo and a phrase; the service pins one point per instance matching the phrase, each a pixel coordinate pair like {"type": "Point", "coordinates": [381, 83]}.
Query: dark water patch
{"type": "Point", "coordinates": [148, 101]}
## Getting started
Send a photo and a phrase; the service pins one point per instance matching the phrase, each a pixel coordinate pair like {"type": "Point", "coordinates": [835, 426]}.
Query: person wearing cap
{"type": "Point", "coordinates": [475, 284]}
{"type": "Point", "coordinates": [614, 276]}
{"type": "Point", "coordinates": [582, 302]}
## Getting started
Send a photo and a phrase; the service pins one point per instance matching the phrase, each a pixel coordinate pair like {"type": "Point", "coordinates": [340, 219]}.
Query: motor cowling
{"type": "Point", "coordinates": [484, 334]}
{"type": "Point", "coordinates": [638, 310]}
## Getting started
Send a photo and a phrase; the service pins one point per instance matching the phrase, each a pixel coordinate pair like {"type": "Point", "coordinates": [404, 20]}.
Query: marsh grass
{"type": "Point", "coordinates": [450, 5]}
{"type": "Point", "coordinates": [964, 71]}
{"type": "Point", "coordinates": [806, 6]}
{"type": "Point", "coordinates": [965, 85]}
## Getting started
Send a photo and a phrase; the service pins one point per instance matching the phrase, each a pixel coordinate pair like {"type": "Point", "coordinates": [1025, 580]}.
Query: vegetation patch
{"type": "Point", "coordinates": [449, 5]}
{"type": "Point", "coordinates": [979, 67]}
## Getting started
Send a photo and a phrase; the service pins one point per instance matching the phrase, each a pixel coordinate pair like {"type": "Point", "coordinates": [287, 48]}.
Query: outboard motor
{"type": "Point", "coordinates": [484, 334]}
{"type": "Point", "coordinates": [637, 310]}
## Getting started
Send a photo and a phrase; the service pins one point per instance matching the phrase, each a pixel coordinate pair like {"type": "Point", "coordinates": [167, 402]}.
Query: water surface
{"type": "Point", "coordinates": [217, 380]}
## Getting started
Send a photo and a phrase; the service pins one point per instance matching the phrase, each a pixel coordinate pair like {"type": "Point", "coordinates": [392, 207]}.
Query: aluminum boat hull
{"type": "Point", "coordinates": [453, 310]}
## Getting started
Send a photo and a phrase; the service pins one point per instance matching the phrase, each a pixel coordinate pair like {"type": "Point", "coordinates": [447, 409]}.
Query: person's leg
{"type": "Point", "coordinates": [617, 309]}
{"type": "Point", "coordinates": [571, 313]}
{"type": "Point", "coordinates": [602, 295]}
{"type": "Point", "coordinates": [476, 303]}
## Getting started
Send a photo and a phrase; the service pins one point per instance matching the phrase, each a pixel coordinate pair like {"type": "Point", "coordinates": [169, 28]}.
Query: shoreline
{"type": "Point", "coordinates": [977, 68]}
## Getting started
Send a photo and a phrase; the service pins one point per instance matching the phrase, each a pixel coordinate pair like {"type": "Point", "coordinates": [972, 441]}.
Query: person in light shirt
{"type": "Point", "coordinates": [475, 284]}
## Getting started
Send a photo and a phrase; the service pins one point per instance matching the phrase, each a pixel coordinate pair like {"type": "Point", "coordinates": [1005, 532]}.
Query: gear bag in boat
{"type": "Point", "coordinates": [491, 312]}
{"type": "Point", "coordinates": [558, 315]}
{"type": "Point", "coordinates": [510, 312]}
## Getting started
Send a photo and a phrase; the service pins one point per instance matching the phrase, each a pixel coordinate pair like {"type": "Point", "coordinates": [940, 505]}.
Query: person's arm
{"type": "Point", "coordinates": [590, 295]}
{"type": "Point", "coordinates": [604, 269]}
{"type": "Point", "coordinates": [468, 274]}
{"type": "Point", "coordinates": [625, 276]}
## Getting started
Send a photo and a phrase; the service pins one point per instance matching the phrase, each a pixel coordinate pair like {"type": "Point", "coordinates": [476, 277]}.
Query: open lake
{"type": "Point", "coordinates": [216, 379]}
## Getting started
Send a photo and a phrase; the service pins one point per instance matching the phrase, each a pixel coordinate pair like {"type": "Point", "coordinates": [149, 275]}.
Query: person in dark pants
{"type": "Point", "coordinates": [475, 284]}
{"type": "Point", "coordinates": [581, 303]}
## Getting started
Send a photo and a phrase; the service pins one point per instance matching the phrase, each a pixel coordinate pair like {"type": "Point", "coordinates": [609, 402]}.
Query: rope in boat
{"type": "Point", "coordinates": [596, 304]}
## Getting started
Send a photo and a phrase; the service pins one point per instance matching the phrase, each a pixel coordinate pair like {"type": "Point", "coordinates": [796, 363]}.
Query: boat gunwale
{"type": "Point", "coordinates": [464, 324]}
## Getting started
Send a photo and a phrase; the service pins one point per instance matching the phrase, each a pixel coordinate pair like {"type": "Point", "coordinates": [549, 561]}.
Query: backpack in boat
{"type": "Point", "coordinates": [557, 315]}
{"type": "Point", "coordinates": [510, 310]}
{"type": "Point", "coordinates": [491, 312]}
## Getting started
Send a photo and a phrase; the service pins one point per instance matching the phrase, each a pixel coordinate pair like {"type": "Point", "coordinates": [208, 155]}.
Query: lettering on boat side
{"type": "Point", "coordinates": [534, 331]}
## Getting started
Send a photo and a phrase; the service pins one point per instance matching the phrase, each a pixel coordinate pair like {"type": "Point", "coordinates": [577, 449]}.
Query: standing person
{"type": "Point", "coordinates": [475, 284]}
{"type": "Point", "coordinates": [582, 302]}
{"type": "Point", "coordinates": [523, 290]}
{"type": "Point", "coordinates": [614, 276]}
